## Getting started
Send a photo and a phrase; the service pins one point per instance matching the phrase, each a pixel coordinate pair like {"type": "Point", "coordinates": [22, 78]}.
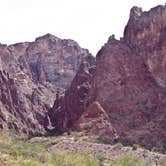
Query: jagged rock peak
{"type": "Point", "coordinates": [135, 12]}
{"type": "Point", "coordinates": [111, 39]}
{"type": "Point", "coordinates": [47, 37]}
{"type": "Point", "coordinates": [52, 38]}
{"type": "Point", "coordinates": [130, 81]}
{"type": "Point", "coordinates": [146, 26]}
{"type": "Point", "coordinates": [23, 44]}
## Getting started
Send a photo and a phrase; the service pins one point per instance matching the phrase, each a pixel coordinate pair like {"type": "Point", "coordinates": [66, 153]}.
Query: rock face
{"type": "Point", "coordinates": [95, 121]}
{"type": "Point", "coordinates": [50, 59]}
{"type": "Point", "coordinates": [130, 79]}
{"type": "Point", "coordinates": [68, 108]}
{"type": "Point", "coordinates": [128, 87]}
{"type": "Point", "coordinates": [19, 112]}
{"type": "Point", "coordinates": [120, 95]}
{"type": "Point", "coordinates": [31, 73]}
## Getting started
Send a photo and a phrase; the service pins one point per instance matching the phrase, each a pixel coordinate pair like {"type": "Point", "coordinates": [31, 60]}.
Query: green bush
{"type": "Point", "coordinates": [128, 160]}
{"type": "Point", "coordinates": [162, 162]}
{"type": "Point", "coordinates": [57, 158]}
{"type": "Point", "coordinates": [17, 151]}
{"type": "Point", "coordinates": [118, 146]}
{"type": "Point", "coordinates": [135, 146]}
{"type": "Point", "coordinates": [101, 157]}
{"type": "Point", "coordinates": [74, 159]}
{"type": "Point", "coordinates": [158, 149]}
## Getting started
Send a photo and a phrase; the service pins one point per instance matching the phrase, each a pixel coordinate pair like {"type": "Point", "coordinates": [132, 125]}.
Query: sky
{"type": "Point", "coordinates": [89, 22]}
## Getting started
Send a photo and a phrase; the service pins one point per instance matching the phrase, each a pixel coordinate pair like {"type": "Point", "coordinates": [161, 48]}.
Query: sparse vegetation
{"type": "Point", "coordinates": [101, 157]}
{"type": "Point", "coordinates": [159, 149]}
{"type": "Point", "coordinates": [135, 146]}
{"type": "Point", "coordinates": [118, 146]}
{"type": "Point", "coordinates": [162, 162]}
{"type": "Point", "coordinates": [15, 151]}
{"type": "Point", "coordinates": [129, 160]}
{"type": "Point", "coordinates": [43, 151]}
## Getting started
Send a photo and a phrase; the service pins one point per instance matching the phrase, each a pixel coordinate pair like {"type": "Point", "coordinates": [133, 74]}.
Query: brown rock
{"type": "Point", "coordinates": [68, 109]}
{"type": "Point", "coordinates": [50, 59]}
{"type": "Point", "coordinates": [130, 79]}
{"type": "Point", "coordinates": [30, 74]}
{"type": "Point", "coordinates": [95, 121]}
{"type": "Point", "coordinates": [129, 84]}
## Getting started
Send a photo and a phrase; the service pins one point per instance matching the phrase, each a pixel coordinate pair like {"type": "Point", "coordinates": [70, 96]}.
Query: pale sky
{"type": "Point", "coordinates": [89, 22]}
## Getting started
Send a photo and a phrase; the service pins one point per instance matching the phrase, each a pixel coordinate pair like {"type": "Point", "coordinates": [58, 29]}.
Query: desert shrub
{"type": "Point", "coordinates": [56, 158]}
{"type": "Point", "coordinates": [66, 133]}
{"type": "Point", "coordinates": [5, 138]}
{"type": "Point", "coordinates": [161, 150]}
{"type": "Point", "coordinates": [16, 151]}
{"type": "Point", "coordinates": [162, 162]}
{"type": "Point", "coordinates": [74, 159]}
{"type": "Point", "coordinates": [158, 149]}
{"type": "Point", "coordinates": [154, 149]}
{"type": "Point", "coordinates": [128, 160]}
{"type": "Point", "coordinates": [78, 133]}
{"type": "Point", "coordinates": [118, 146]}
{"type": "Point", "coordinates": [101, 157]}
{"type": "Point", "coordinates": [135, 146]}
{"type": "Point", "coordinates": [21, 161]}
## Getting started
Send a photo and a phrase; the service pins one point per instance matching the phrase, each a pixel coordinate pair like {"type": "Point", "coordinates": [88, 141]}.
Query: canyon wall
{"type": "Point", "coordinates": [31, 75]}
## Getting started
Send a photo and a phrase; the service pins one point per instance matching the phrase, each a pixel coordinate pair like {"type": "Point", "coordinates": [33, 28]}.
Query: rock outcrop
{"type": "Point", "coordinates": [129, 85]}
{"type": "Point", "coordinates": [95, 121]}
{"type": "Point", "coordinates": [19, 112]}
{"type": "Point", "coordinates": [50, 59]}
{"type": "Point", "coordinates": [31, 74]}
{"type": "Point", "coordinates": [67, 109]}
{"type": "Point", "coordinates": [130, 79]}
{"type": "Point", "coordinates": [120, 95]}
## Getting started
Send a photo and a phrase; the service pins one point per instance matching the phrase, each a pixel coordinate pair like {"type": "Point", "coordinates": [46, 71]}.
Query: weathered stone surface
{"type": "Point", "coordinates": [50, 59]}
{"type": "Point", "coordinates": [121, 95]}
{"type": "Point", "coordinates": [129, 83]}
{"type": "Point", "coordinates": [15, 113]}
{"type": "Point", "coordinates": [68, 108]}
{"type": "Point", "coordinates": [31, 73]}
{"type": "Point", "coordinates": [130, 79]}
{"type": "Point", "coordinates": [95, 121]}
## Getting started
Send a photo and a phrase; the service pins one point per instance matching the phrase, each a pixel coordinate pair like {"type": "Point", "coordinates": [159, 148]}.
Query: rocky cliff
{"type": "Point", "coordinates": [119, 96]}
{"type": "Point", "coordinates": [130, 79]}
{"type": "Point", "coordinates": [128, 85]}
{"type": "Point", "coordinates": [68, 108]}
{"type": "Point", "coordinates": [30, 74]}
